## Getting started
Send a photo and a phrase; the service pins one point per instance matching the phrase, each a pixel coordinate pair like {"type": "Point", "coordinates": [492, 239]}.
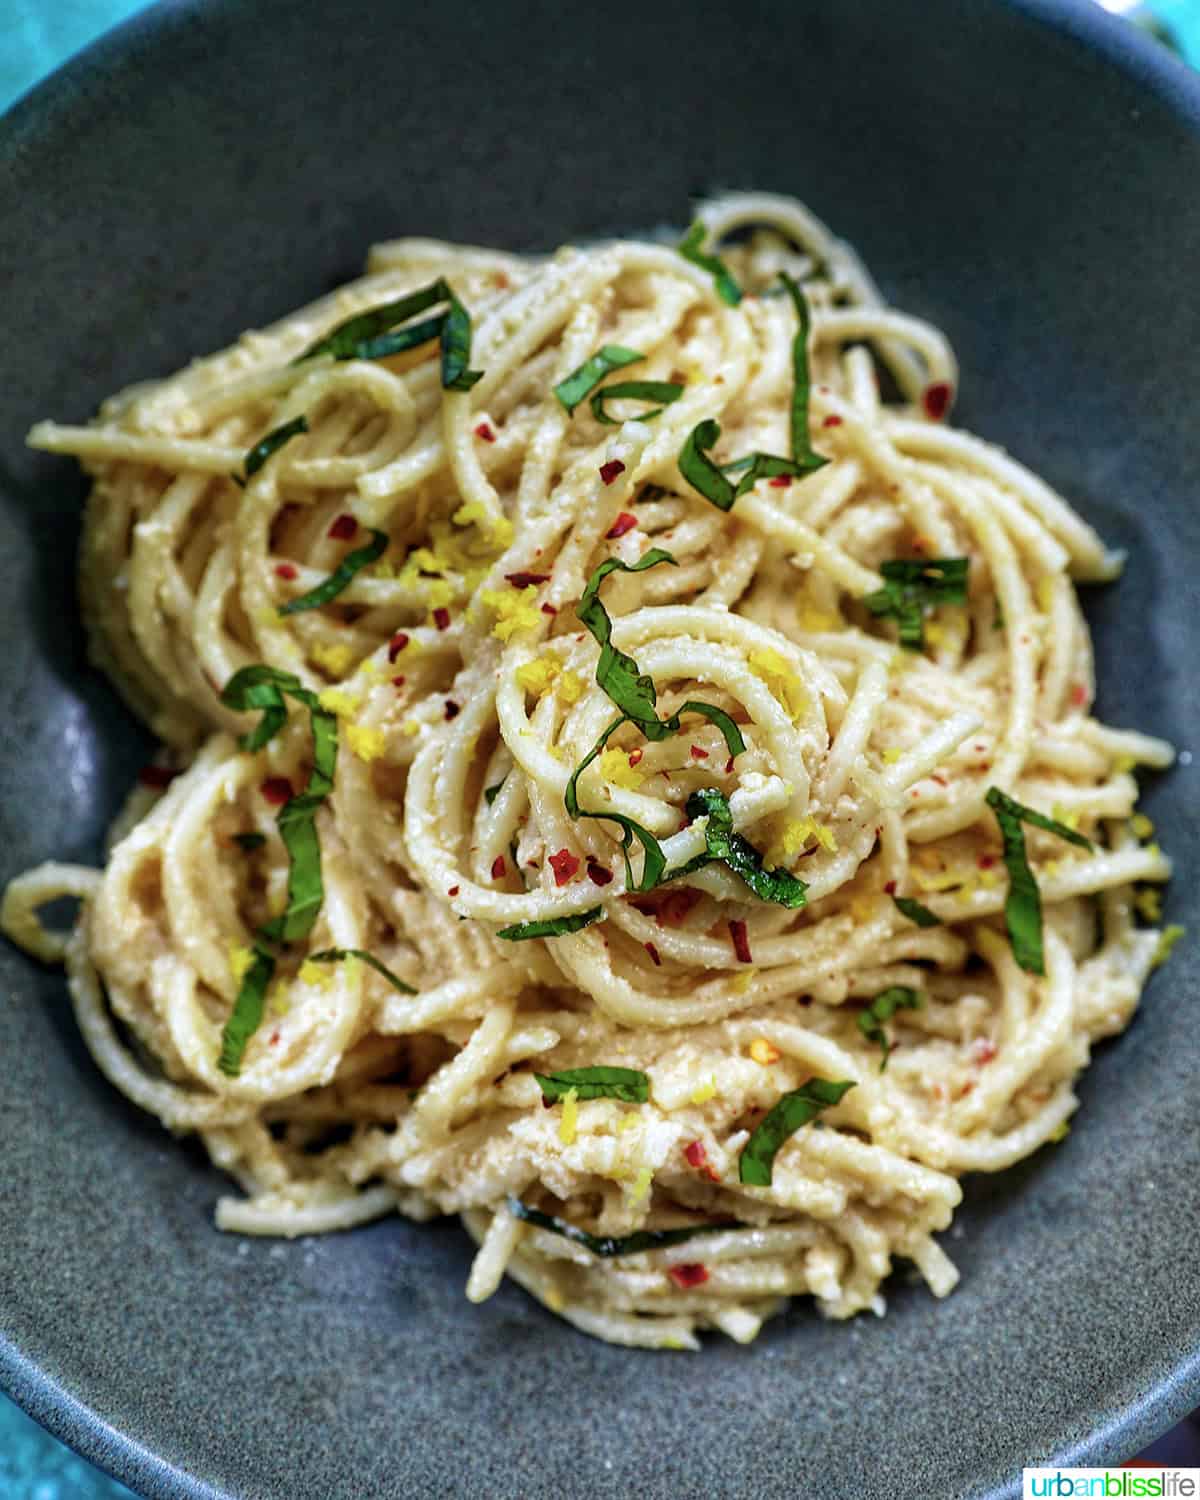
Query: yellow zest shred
{"type": "Point", "coordinates": [742, 983]}
{"type": "Point", "coordinates": [339, 702]}
{"type": "Point", "coordinates": [780, 678]}
{"type": "Point", "coordinates": [1052, 867]}
{"type": "Point", "coordinates": [570, 1117]}
{"type": "Point", "coordinates": [802, 833]}
{"type": "Point", "coordinates": [1060, 1132]}
{"type": "Point", "coordinates": [1170, 936]}
{"type": "Point", "coordinates": [764, 1052]}
{"type": "Point", "coordinates": [615, 768]}
{"type": "Point", "coordinates": [943, 881]}
{"type": "Point", "coordinates": [989, 879]}
{"type": "Point", "coordinates": [571, 687]}
{"type": "Point", "coordinates": [537, 675]}
{"type": "Point", "coordinates": [440, 593]}
{"type": "Point", "coordinates": [365, 741]}
{"type": "Point", "coordinates": [1062, 814]}
{"type": "Point", "coordinates": [891, 756]}
{"type": "Point", "coordinates": [318, 975]}
{"type": "Point", "coordinates": [705, 1092]}
{"type": "Point", "coordinates": [410, 728]}
{"type": "Point", "coordinates": [515, 610]}
{"type": "Point", "coordinates": [1149, 903]}
{"type": "Point", "coordinates": [641, 1184]}
{"type": "Point", "coordinates": [240, 959]}
{"type": "Point", "coordinates": [1142, 827]}
{"type": "Point", "coordinates": [1123, 763]}
{"type": "Point", "coordinates": [498, 528]}
{"type": "Point", "coordinates": [336, 659]}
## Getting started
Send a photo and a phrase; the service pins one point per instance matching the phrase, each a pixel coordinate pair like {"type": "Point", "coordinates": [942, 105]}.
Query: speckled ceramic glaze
{"type": "Point", "coordinates": [1025, 174]}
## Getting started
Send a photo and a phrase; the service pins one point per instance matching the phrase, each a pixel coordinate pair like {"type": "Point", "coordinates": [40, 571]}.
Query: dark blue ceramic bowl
{"type": "Point", "coordinates": [1024, 173]}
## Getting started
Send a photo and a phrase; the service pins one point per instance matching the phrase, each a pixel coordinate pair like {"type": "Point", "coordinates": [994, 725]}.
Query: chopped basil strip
{"type": "Point", "coordinates": [552, 927]}
{"type": "Point", "coordinates": [375, 334]}
{"type": "Point", "coordinates": [1023, 905]}
{"type": "Point", "coordinates": [883, 1008]}
{"type": "Point", "coordinates": [802, 448]}
{"type": "Point", "coordinates": [690, 248]}
{"type": "Point", "coordinates": [734, 742]}
{"type": "Point", "coordinates": [911, 586]}
{"type": "Point", "coordinates": [665, 391]}
{"type": "Point", "coordinates": [249, 841]}
{"type": "Point", "coordinates": [656, 861]}
{"type": "Point", "coordinates": [915, 912]}
{"type": "Point", "coordinates": [580, 383]}
{"type": "Point", "coordinates": [335, 955]}
{"type": "Point", "coordinates": [264, 687]}
{"type": "Point", "coordinates": [246, 1016]}
{"type": "Point", "coordinates": [792, 1112]}
{"type": "Point", "coordinates": [704, 475]}
{"type": "Point", "coordinates": [274, 440]}
{"type": "Point", "coordinates": [738, 854]}
{"type": "Point", "coordinates": [341, 577]}
{"type": "Point", "coordinates": [626, 1084]}
{"type": "Point", "coordinates": [618, 674]}
{"type": "Point", "coordinates": [490, 793]}
{"type": "Point", "coordinates": [456, 347]}
{"type": "Point", "coordinates": [608, 1246]}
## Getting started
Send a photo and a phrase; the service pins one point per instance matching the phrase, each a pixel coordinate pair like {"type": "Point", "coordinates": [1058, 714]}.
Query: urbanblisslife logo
{"type": "Point", "coordinates": [1111, 1484]}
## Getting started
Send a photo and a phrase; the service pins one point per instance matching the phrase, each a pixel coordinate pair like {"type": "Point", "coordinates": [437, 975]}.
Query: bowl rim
{"type": "Point", "coordinates": [1127, 1427]}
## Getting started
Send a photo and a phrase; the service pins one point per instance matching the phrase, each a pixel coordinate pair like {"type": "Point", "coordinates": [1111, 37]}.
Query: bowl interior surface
{"type": "Point", "coordinates": [1020, 174]}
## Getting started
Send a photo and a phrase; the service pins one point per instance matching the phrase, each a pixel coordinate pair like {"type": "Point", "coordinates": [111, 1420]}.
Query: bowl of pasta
{"type": "Point", "coordinates": [599, 812]}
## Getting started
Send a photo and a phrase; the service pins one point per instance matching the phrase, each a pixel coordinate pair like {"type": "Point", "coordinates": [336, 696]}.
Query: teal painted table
{"type": "Point", "coordinates": [38, 35]}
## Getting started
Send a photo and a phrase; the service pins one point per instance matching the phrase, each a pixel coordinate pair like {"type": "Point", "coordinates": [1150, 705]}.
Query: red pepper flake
{"type": "Point", "coordinates": [396, 645]}
{"type": "Point", "coordinates": [285, 570]}
{"type": "Point", "coordinates": [549, 609]}
{"type": "Point", "coordinates": [1079, 695]}
{"type": "Point", "coordinates": [485, 432]}
{"type": "Point", "coordinates": [936, 400]}
{"type": "Point", "coordinates": [832, 421]}
{"type": "Point", "coordinates": [696, 1155]}
{"type": "Point", "coordinates": [565, 865]}
{"type": "Point", "coordinates": [157, 776]}
{"type": "Point", "coordinates": [498, 867]}
{"type": "Point", "coordinates": [441, 618]}
{"type": "Point", "coordinates": [741, 942]}
{"type": "Point", "coordinates": [452, 709]}
{"type": "Point", "coordinates": [635, 756]}
{"type": "Point", "coordinates": [610, 470]}
{"type": "Point", "coordinates": [653, 952]}
{"type": "Point", "coordinates": [523, 580]}
{"type": "Point", "coordinates": [698, 753]}
{"type": "Point", "coordinates": [941, 780]}
{"type": "Point", "coordinates": [274, 1038]}
{"type": "Point", "coordinates": [780, 482]}
{"type": "Point", "coordinates": [277, 790]}
{"type": "Point", "coordinates": [453, 891]}
{"type": "Point", "coordinates": [597, 874]}
{"type": "Point", "coordinates": [624, 522]}
{"type": "Point", "coordinates": [343, 528]}
{"type": "Point", "coordinates": [671, 908]}
{"type": "Point", "coordinates": [692, 1273]}
{"type": "Point", "coordinates": [890, 888]}
{"type": "Point", "coordinates": [983, 1050]}
{"type": "Point", "coordinates": [986, 861]}
{"type": "Point", "coordinates": [729, 766]}
{"type": "Point", "coordinates": [398, 682]}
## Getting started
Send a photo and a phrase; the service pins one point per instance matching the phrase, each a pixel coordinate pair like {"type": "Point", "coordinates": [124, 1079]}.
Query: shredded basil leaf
{"type": "Point", "coordinates": [704, 475]}
{"type": "Point", "coordinates": [249, 841]}
{"type": "Point", "coordinates": [552, 926]}
{"type": "Point", "coordinates": [335, 955]}
{"type": "Point", "coordinates": [274, 440]}
{"type": "Point", "coordinates": [581, 382]}
{"type": "Point", "coordinates": [911, 586]}
{"type": "Point", "coordinates": [626, 1084]}
{"type": "Point", "coordinates": [738, 854]}
{"type": "Point", "coordinates": [665, 391]}
{"type": "Point", "coordinates": [790, 1114]}
{"type": "Point", "coordinates": [883, 1008]}
{"type": "Point", "coordinates": [734, 742]}
{"type": "Point", "coordinates": [346, 340]}
{"type": "Point", "coordinates": [375, 334]}
{"type": "Point", "coordinates": [341, 577]}
{"type": "Point", "coordinates": [690, 248]}
{"type": "Point", "coordinates": [802, 448]}
{"type": "Point", "coordinates": [618, 674]}
{"type": "Point", "coordinates": [915, 912]}
{"type": "Point", "coordinates": [655, 861]}
{"type": "Point", "coordinates": [263, 687]}
{"type": "Point", "coordinates": [608, 1246]}
{"type": "Point", "coordinates": [456, 347]}
{"type": "Point", "coordinates": [246, 1016]}
{"type": "Point", "coordinates": [490, 793]}
{"type": "Point", "coordinates": [1023, 905]}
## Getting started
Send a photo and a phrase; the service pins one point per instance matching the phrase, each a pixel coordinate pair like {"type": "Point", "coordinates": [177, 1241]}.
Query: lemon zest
{"type": "Point", "coordinates": [764, 1052]}
{"type": "Point", "coordinates": [537, 675]}
{"type": "Point", "coordinates": [570, 1116]}
{"type": "Point", "coordinates": [339, 702]}
{"type": "Point", "coordinates": [1170, 936]}
{"type": "Point", "coordinates": [776, 672]}
{"type": "Point", "coordinates": [318, 975]}
{"type": "Point", "coordinates": [515, 610]}
{"type": "Point", "coordinates": [365, 741]}
{"type": "Point", "coordinates": [615, 768]}
{"type": "Point", "coordinates": [240, 960]}
{"type": "Point", "coordinates": [336, 659]}
{"type": "Point", "coordinates": [1142, 827]}
{"type": "Point", "coordinates": [705, 1091]}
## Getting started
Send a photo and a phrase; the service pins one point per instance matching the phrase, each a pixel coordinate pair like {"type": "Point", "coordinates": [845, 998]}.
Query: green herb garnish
{"type": "Point", "coordinates": [246, 1016]}
{"type": "Point", "coordinates": [490, 793]}
{"type": "Point", "coordinates": [581, 382]}
{"type": "Point", "coordinates": [456, 348]}
{"type": "Point", "coordinates": [552, 926]}
{"type": "Point", "coordinates": [911, 586]}
{"type": "Point", "coordinates": [1023, 905]}
{"type": "Point", "coordinates": [335, 955]}
{"type": "Point", "coordinates": [665, 391]}
{"type": "Point", "coordinates": [341, 577]}
{"type": "Point", "coordinates": [655, 861]}
{"type": "Point", "coordinates": [915, 912]}
{"type": "Point", "coordinates": [738, 854]}
{"type": "Point", "coordinates": [704, 475]}
{"type": "Point", "coordinates": [626, 1084]}
{"type": "Point", "coordinates": [608, 1246]}
{"type": "Point", "coordinates": [883, 1008]}
{"type": "Point", "coordinates": [690, 248]}
{"type": "Point", "coordinates": [262, 687]}
{"type": "Point", "coordinates": [802, 449]}
{"type": "Point", "coordinates": [790, 1114]}
{"type": "Point", "coordinates": [249, 841]}
{"type": "Point", "coordinates": [274, 440]}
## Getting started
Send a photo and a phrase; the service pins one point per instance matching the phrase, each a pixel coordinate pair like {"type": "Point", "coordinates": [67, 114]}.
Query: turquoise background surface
{"type": "Point", "coordinates": [37, 35]}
